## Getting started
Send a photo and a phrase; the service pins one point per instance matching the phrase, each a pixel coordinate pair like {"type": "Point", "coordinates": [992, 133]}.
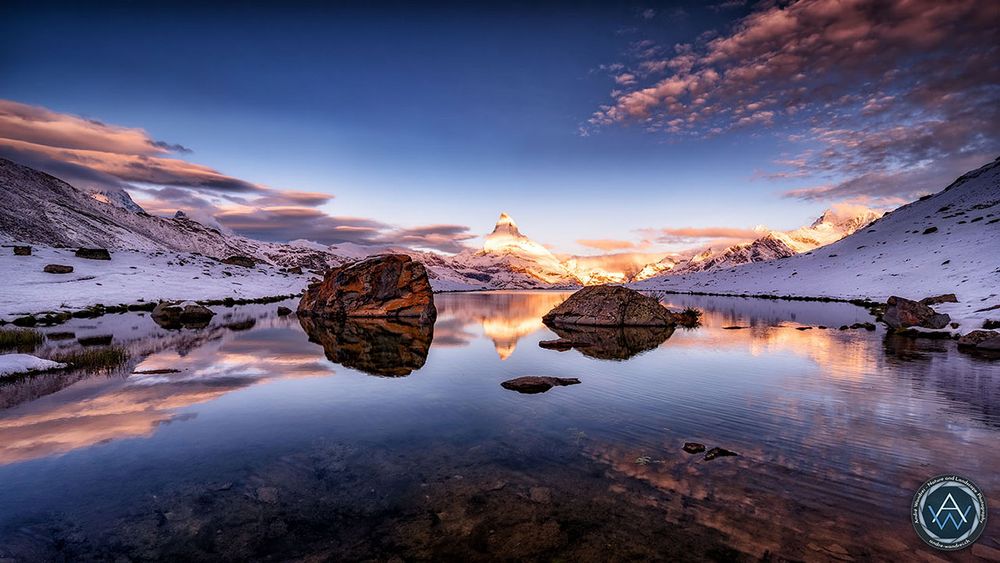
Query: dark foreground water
{"type": "Point", "coordinates": [277, 440]}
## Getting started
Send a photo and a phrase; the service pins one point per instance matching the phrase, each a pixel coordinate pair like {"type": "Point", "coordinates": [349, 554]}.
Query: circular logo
{"type": "Point", "coordinates": [949, 512]}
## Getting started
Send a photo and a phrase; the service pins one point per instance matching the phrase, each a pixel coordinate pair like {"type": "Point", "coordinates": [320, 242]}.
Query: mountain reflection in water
{"type": "Point", "coordinates": [272, 441]}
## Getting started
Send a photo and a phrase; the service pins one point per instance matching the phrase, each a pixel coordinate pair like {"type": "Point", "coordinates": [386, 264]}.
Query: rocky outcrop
{"type": "Point", "coordinates": [383, 286]}
{"type": "Point", "coordinates": [57, 269]}
{"type": "Point", "coordinates": [383, 347]}
{"type": "Point", "coordinates": [93, 253]}
{"type": "Point", "coordinates": [242, 261]}
{"type": "Point", "coordinates": [183, 314]}
{"type": "Point", "coordinates": [938, 299]}
{"type": "Point", "coordinates": [609, 305]}
{"type": "Point", "coordinates": [531, 384]}
{"type": "Point", "coordinates": [903, 313]}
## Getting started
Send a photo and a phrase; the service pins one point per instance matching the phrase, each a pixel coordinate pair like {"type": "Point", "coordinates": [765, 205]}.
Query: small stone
{"type": "Point", "coordinates": [93, 254]}
{"type": "Point", "coordinates": [718, 452]}
{"type": "Point", "coordinates": [694, 447]}
{"type": "Point", "coordinates": [531, 384]}
{"type": "Point", "coordinates": [57, 269]}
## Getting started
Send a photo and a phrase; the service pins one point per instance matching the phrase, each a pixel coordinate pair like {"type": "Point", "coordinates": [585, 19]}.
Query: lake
{"type": "Point", "coordinates": [260, 437]}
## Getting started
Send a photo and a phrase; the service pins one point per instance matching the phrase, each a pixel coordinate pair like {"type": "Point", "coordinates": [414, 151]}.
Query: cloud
{"type": "Point", "coordinates": [607, 244]}
{"type": "Point", "coordinates": [672, 235]}
{"type": "Point", "coordinates": [92, 154]}
{"type": "Point", "coordinates": [866, 91]}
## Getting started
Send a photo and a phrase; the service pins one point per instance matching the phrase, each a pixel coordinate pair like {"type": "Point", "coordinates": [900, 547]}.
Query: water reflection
{"type": "Point", "coordinates": [385, 347]}
{"type": "Point", "coordinates": [613, 343]}
{"type": "Point", "coordinates": [250, 436]}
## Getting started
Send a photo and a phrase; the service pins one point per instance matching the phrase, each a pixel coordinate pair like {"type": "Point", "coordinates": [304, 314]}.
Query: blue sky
{"type": "Point", "coordinates": [449, 114]}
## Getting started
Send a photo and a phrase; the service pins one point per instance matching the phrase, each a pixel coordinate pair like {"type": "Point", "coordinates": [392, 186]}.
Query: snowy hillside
{"type": "Point", "coordinates": [945, 243]}
{"type": "Point", "coordinates": [41, 209]}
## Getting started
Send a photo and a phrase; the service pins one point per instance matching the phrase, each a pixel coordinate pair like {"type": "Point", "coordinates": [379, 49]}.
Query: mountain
{"type": "Point", "coordinates": [42, 209]}
{"type": "Point", "coordinates": [511, 260]}
{"type": "Point", "coordinates": [943, 243]}
{"type": "Point", "coordinates": [835, 223]}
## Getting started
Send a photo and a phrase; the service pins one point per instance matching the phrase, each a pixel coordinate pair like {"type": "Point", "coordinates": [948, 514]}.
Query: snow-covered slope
{"type": "Point", "coordinates": [41, 209]}
{"type": "Point", "coordinates": [944, 243]}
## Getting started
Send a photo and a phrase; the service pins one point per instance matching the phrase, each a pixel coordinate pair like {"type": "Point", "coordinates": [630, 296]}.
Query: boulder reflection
{"type": "Point", "coordinates": [613, 343]}
{"type": "Point", "coordinates": [384, 347]}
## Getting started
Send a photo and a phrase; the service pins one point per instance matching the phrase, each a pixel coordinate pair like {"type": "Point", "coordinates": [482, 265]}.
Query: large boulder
{"type": "Point", "coordinates": [93, 254]}
{"type": "Point", "coordinates": [904, 313]}
{"type": "Point", "coordinates": [383, 286]}
{"type": "Point", "coordinates": [609, 305]}
{"type": "Point", "coordinates": [186, 314]}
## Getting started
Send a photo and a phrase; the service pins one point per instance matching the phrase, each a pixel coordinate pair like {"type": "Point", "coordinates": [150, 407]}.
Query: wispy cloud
{"type": "Point", "coordinates": [869, 92]}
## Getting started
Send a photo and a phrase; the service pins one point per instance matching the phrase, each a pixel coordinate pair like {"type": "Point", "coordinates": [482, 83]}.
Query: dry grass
{"type": "Point", "coordinates": [105, 359]}
{"type": "Point", "coordinates": [21, 339]}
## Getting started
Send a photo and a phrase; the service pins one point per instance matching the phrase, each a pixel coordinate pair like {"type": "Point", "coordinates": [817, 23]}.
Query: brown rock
{"type": "Point", "coordinates": [93, 253]}
{"type": "Point", "coordinates": [531, 384]}
{"type": "Point", "coordinates": [242, 261]}
{"type": "Point", "coordinates": [22, 251]}
{"type": "Point", "coordinates": [177, 314]}
{"type": "Point", "coordinates": [57, 269]}
{"type": "Point", "coordinates": [718, 452]}
{"type": "Point", "coordinates": [384, 286]}
{"type": "Point", "coordinates": [938, 299]}
{"type": "Point", "coordinates": [904, 313]}
{"type": "Point", "coordinates": [609, 305]}
{"type": "Point", "coordinates": [297, 270]}
{"type": "Point", "coordinates": [694, 447]}
{"type": "Point", "coordinates": [976, 338]}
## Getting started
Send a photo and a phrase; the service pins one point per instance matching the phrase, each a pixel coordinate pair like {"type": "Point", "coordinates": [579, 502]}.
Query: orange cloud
{"type": "Point", "coordinates": [607, 244]}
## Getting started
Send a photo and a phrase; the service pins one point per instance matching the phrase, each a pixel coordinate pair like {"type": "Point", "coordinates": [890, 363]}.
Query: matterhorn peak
{"type": "Point", "coordinates": [506, 226]}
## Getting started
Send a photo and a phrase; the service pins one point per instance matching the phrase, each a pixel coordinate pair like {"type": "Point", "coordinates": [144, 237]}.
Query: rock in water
{"type": "Point", "coordinates": [537, 383]}
{"type": "Point", "coordinates": [988, 340]}
{"type": "Point", "coordinates": [22, 251]}
{"type": "Point", "coordinates": [560, 344]}
{"type": "Point", "coordinates": [718, 452]}
{"type": "Point", "coordinates": [284, 311]}
{"type": "Point", "coordinates": [186, 314]}
{"type": "Point", "coordinates": [93, 253]}
{"type": "Point", "coordinates": [383, 286]}
{"type": "Point", "coordinates": [694, 447]}
{"type": "Point", "coordinates": [904, 313]}
{"type": "Point", "coordinates": [57, 269]}
{"type": "Point", "coordinates": [609, 305]}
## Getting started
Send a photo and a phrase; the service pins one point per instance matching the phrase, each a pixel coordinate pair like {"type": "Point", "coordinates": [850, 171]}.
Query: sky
{"type": "Point", "coordinates": [614, 127]}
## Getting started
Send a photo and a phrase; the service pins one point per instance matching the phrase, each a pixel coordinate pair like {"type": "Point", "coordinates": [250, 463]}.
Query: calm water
{"type": "Point", "coordinates": [275, 440]}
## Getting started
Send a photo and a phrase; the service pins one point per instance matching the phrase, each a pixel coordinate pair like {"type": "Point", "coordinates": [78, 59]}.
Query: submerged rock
{"type": "Point", "coordinates": [560, 344]}
{"type": "Point", "coordinates": [531, 384]}
{"type": "Point", "coordinates": [694, 447]}
{"type": "Point", "coordinates": [93, 253]}
{"type": "Point", "coordinates": [610, 305]}
{"type": "Point", "coordinates": [718, 452]}
{"type": "Point", "coordinates": [57, 269]}
{"type": "Point", "coordinates": [384, 347]}
{"type": "Point", "coordinates": [904, 313]}
{"type": "Point", "coordinates": [186, 314]}
{"type": "Point", "coordinates": [383, 286]}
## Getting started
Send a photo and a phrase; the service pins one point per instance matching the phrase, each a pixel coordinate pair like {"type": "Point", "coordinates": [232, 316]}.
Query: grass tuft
{"type": "Point", "coordinates": [102, 359]}
{"type": "Point", "coordinates": [23, 340]}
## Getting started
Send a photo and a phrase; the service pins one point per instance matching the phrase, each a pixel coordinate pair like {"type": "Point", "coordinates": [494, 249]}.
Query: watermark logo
{"type": "Point", "coordinates": [949, 512]}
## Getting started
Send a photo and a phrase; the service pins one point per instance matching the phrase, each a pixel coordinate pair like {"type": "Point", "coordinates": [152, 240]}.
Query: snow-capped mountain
{"type": "Point", "coordinates": [41, 209]}
{"type": "Point", "coordinates": [944, 243]}
{"type": "Point", "coordinates": [511, 260]}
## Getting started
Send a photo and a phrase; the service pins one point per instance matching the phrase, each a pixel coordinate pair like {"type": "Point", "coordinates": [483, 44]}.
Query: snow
{"type": "Point", "coordinates": [892, 256]}
{"type": "Point", "coordinates": [129, 277]}
{"type": "Point", "coordinates": [11, 364]}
